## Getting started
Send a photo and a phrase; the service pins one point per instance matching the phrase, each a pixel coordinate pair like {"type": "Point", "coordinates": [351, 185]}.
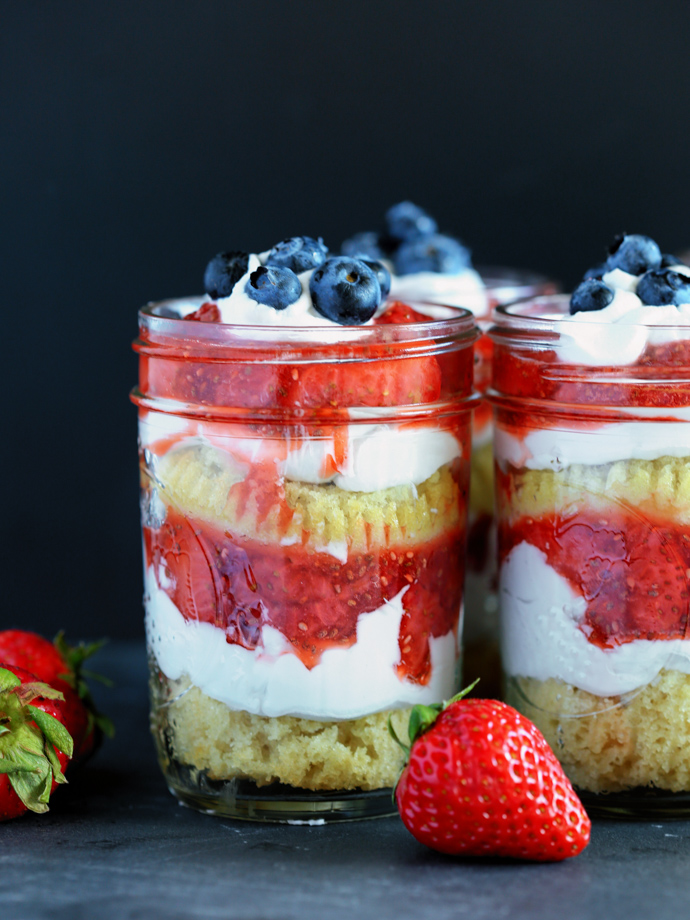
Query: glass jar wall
{"type": "Point", "coordinates": [592, 444]}
{"type": "Point", "coordinates": [304, 499]}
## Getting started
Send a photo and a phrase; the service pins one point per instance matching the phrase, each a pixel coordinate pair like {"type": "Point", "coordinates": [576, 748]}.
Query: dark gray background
{"type": "Point", "coordinates": [141, 137]}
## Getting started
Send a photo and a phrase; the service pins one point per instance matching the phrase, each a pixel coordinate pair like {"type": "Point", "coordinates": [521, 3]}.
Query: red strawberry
{"type": "Point", "coordinates": [399, 312]}
{"type": "Point", "coordinates": [207, 313]}
{"type": "Point", "coordinates": [399, 382]}
{"type": "Point", "coordinates": [60, 665]}
{"type": "Point", "coordinates": [482, 781]}
{"type": "Point", "coordinates": [239, 385]}
{"type": "Point", "coordinates": [35, 746]}
{"type": "Point", "coordinates": [630, 569]}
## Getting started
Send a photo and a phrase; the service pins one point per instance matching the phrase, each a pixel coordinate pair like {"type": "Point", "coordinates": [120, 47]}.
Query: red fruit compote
{"type": "Point", "coordinates": [304, 502]}
{"type": "Point", "coordinates": [592, 444]}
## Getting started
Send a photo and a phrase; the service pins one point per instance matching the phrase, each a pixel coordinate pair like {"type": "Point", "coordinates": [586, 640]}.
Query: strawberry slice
{"type": "Point", "coordinates": [401, 382]}
{"type": "Point", "coordinates": [311, 598]}
{"type": "Point", "coordinates": [631, 572]}
{"type": "Point", "coordinates": [236, 385]}
{"type": "Point", "coordinates": [207, 313]}
{"type": "Point", "coordinates": [400, 312]}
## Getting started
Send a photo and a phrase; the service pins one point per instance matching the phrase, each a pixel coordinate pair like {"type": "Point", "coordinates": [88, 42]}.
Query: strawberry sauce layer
{"type": "Point", "coordinates": [633, 573]}
{"type": "Point", "coordinates": [314, 600]}
{"type": "Point", "coordinates": [653, 381]}
{"type": "Point", "coordinates": [387, 370]}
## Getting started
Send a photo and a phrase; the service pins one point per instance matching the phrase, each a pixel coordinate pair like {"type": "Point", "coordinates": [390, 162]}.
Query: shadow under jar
{"type": "Point", "coordinates": [592, 446]}
{"type": "Point", "coordinates": [304, 501]}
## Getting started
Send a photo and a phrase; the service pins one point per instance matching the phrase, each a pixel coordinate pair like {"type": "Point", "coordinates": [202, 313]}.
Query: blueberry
{"type": "Point", "coordinates": [663, 287]}
{"type": "Point", "coordinates": [668, 260]}
{"type": "Point", "coordinates": [345, 290]}
{"type": "Point", "coordinates": [634, 254]}
{"type": "Point", "coordinates": [407, 221]}
{"type": "Point", "coordinates": [383, 276]}
{"type": "Point", "coordinates": [436, 253]}
{"type": "Point", "coordinates": [363, 246]}
{"type": "Point", "coordinates": [597, 272]}
{"type": "Point", "coordinates": [223, 272]}
{"type": "Point", "coordinates": [299, 253]}
{"type": "Point", "coordinates": [274, 286]}
{"type": "Point", "coordinates": [592, 294]}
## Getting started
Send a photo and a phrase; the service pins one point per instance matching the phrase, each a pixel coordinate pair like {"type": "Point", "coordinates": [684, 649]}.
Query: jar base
{"type": "Point", "coordinates": [277, 803]}
{"type": "Point", "coordinates": [645, 803]}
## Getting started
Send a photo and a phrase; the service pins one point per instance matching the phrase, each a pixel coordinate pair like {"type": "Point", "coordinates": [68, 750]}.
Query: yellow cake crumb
{"type": "Point", "coordinates": [308, 754]}
{"type": "Point", "coordinates": [657, 487]}
{"type": "Point", "coordinates": [198, 478]}
{"type": "Point", "coordinates": [610, 744]}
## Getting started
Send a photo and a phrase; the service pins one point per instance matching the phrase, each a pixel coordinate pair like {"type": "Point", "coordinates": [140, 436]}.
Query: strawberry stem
{"type": "Point", "coordinates": [394, 735]}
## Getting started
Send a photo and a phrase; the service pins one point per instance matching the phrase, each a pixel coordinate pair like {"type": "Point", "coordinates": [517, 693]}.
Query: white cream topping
{"type": "Point", "coordinates": [272, 681]}
{"type": "Point", "coordinates": [239, 309]}
{"type": "Point", "coordinates": [557, 448]}
{"type": "Point", "coordinates": [618, 334]}
{"type": "Point", "coordinates": [541, 635]}
{"type": "Point", "coordinates": [464, 289]}
{"type": "Point", "coordinates": [376, 456]}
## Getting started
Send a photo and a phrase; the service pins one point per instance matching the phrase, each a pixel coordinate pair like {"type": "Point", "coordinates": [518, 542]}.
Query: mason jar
{"type": "Point", "coordinates": [592, 445]}
{"type": "Point", "coordinates": [481, 655]}
{"type": "Point", "coordinates": [304, 499]}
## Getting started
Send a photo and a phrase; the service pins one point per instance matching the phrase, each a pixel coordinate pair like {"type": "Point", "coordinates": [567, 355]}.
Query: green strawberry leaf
{"type": "Point", "coordinates": [33, 787]}
{"type": "Point", "coordinates": [75, 656]}
{"type": "Point", "coordinates": [33, 689]}
{"type": "Point", "coordinates": [422, 718]}
{"type": "Point", "coordinates": [394, 735]}
{"type": "Point", "coordinates": [8, 680]}
{"type": "Point", "coordinates": [49, 751]}
{"type": "Point", "coordinates": [20, 748]}
{"type": "Point", "coordinates": [462, 694]}
{"type": "Point", "coordinates": [54, 731]}
{"type": "Point", "coordinates": [105, 724]}
{"type": "Point", "coordinates": [94, 675]}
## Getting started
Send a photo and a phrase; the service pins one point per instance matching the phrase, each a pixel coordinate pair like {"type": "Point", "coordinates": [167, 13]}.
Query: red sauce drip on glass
{"type": "Point", "coordinates": [314, 600]}
{"type": "Point", "coordinates": [632, 572]}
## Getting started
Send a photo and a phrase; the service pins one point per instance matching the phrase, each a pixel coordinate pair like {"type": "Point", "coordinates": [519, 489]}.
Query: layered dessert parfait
{"type": "Point", "coordinates": [305, 448]}
{"type": "Point", "coordinates": [433, 267]}
{"type": "Point", "coordinates": [592, 400]}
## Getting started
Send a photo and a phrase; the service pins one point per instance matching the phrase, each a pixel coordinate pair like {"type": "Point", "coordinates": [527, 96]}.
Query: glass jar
{"type": "Point", "coordinates": [481, 653]}
{"type": "Point", "coordinates": [304, 499]}
{"type": "Point", "coordinates": [592, 445]}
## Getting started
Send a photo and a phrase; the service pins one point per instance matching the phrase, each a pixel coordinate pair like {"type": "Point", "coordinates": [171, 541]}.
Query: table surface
{"type": "Point", "coordinates": [115, 844]}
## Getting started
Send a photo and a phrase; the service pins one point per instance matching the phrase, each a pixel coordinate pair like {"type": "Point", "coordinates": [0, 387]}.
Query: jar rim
{"type": "Point", "coordinates": [510, 284]}
{"type": "Point", "coordinates": [159, 333]}
{"type": "Point", "coordinates": [523, 314]}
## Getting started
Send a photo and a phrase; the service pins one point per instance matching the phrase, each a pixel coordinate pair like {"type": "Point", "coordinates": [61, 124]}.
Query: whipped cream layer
{"type": "Point", "coordinates": [366, 457]}
{"type": "Point", "coordinates": [618, 334]}
{"type": "Point", "coordinates": [465, 289]}
{"type": "Point", "coordinates": [541, 635]}
{"type": "Point", "coordinates": [272, 681]}
{"type": "Point", "coordinates": [558, 448]}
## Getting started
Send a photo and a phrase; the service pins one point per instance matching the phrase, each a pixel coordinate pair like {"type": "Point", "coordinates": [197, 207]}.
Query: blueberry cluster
{"type": "Point", "coordinates": [344, 289]}
{"type": "Point", "coordinates": [659, 283]}
{"type": "Point", "coordinates": [412, 242]}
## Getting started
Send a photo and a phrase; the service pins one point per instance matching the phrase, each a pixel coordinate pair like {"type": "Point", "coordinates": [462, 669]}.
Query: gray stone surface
{"type": "Point", "coordinates": [116, 845]}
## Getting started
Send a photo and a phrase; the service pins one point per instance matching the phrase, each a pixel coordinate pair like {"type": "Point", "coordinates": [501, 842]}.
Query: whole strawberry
{"type": "Point", "coordinates": [61, 666]}
{"type": "Point", "coordinates": [481, 780]}
{"type": "Point", "coordinates": [35, 746]}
